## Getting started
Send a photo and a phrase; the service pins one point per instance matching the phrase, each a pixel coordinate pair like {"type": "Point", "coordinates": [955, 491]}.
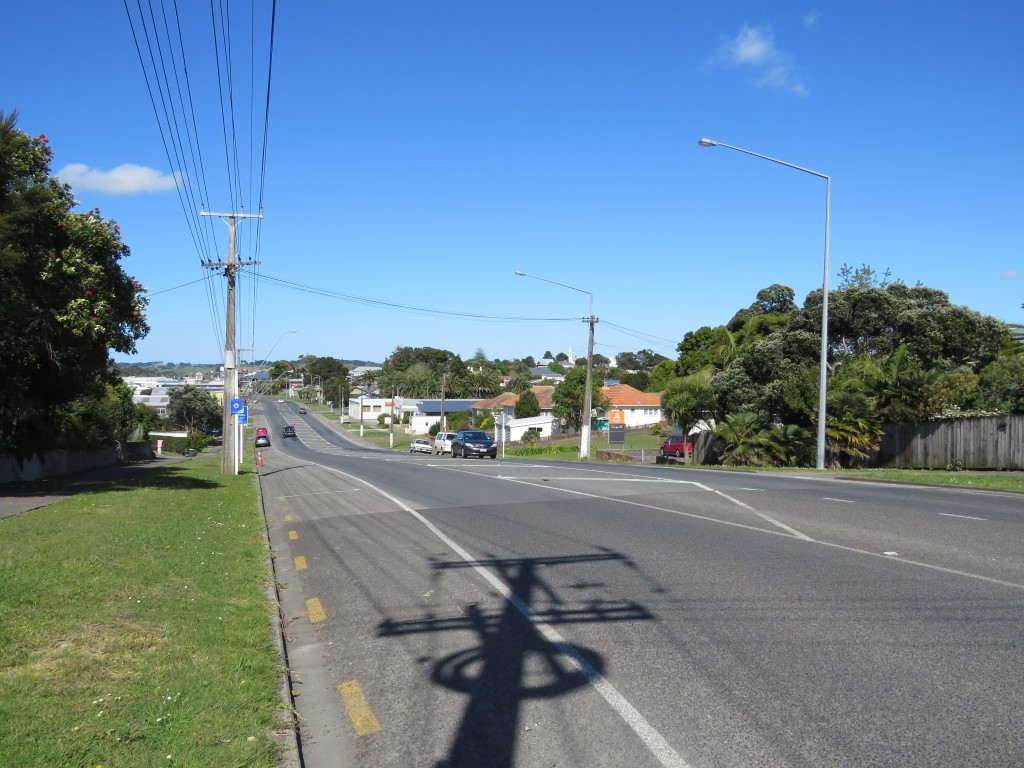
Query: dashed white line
{"type": "Point", "coordinates": [841, 501]}
{"type": "Point", "coordinates": [964, 517]}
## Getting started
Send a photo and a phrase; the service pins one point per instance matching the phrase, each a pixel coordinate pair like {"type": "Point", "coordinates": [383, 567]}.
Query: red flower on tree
{"type": "Point", "coordinates": [88, 294]}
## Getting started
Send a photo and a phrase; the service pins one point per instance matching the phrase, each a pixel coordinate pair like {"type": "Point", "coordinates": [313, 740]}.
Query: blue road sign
{"type": "Point", "coordinates": [243, 415]}
{"type": "Point", "coordinates": [236, 405]}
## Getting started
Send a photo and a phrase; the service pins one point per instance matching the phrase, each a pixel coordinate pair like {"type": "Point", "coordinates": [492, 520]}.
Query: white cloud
{"type": "Point", "coordinates": [810, 20]}
{"type": "Point", "coordinates": [125, 179]}
{"type": "Point", "coordinates": [754, 48]}
{"type": "Point", "coordinates": [1011, 274]}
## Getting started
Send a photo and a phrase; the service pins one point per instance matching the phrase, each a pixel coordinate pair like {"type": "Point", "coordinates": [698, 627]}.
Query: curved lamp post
{"type": "Point", "coordinates": [823, 372]}
{"type": "Point", "coordinates": [587, 399]}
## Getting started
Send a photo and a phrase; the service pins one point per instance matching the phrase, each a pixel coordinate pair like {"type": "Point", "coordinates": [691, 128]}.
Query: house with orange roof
{"type": "Point", "coordinates": [642, 409]}
{"type": "Point", "coordinates": [504, 408]}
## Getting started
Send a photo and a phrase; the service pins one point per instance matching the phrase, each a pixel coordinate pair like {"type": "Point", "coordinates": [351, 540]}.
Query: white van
{"type": "Point", "coordinates": [443, 442]}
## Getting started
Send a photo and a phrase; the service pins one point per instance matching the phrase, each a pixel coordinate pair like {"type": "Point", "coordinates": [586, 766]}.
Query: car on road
{"type": "Point", "coordinates": [443, 442]}
{"type": "Point", "coordinates": [280, 400]}
{"type": "Point", "coordinates": [262, 441]}
{"type": "Point", "coordinates": [288, 431]}
{"type": "Point", "coordinates": [261, 431]}
{"type": "Point", "coordinates": [302, 410]}
{"type": "Point", "coordinates": [674, 446]}
{"type": "Point", "coordinates": [474, 442]}
{"type": "Point", "coordinates": [420, 445]}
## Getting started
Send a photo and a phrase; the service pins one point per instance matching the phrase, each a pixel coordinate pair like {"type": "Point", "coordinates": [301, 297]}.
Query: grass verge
{"type": "Point", "coordinates": [134, 626]}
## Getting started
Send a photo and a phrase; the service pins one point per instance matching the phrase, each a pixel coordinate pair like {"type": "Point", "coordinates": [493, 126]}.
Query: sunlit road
{"type": "Point", "coordinates": [450, 612]}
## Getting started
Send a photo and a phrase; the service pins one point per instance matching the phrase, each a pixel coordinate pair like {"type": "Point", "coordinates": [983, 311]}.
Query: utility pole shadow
{"type": "Point", "coordinates": [513, 661]}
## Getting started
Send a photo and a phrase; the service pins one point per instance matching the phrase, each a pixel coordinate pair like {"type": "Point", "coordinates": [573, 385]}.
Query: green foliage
{"type": "Point", "coordinates": [66, 301]}
{"type": "Point", "coordinates": [543, 450]}
{"type": "Point", "coordinates": [193, 409]}
{"type": "Point", "coordinates": [556, 368]}
{"type": "Point", "coordinates": [531, 436]}
{"type": "Point", "coordinates": [742, 440]}
{"type": "Point", "coordinates": [458, 420]}
{"type": "Point", "coordinates": [521, 383]}
{"type": "Point", "coordinates": [687, 401]}
{"type": "Point", "coordinates": [527, 405]}
{"type": "Point", "coordinates": [568, 397]}
{"type": "Point", "coordinates": [1001, 385]}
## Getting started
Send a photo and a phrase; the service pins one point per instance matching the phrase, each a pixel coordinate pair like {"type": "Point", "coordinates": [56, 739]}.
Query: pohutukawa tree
{"type": "Point", "coordinates": [65, 301]}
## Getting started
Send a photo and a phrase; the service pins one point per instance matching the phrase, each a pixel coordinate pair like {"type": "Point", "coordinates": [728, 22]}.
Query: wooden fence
{"type": "Point", "coordinates": [981, 442]}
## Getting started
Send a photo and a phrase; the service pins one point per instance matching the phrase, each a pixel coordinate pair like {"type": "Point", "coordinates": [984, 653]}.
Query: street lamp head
{"type": "Point", "coordinates": [708, 143]}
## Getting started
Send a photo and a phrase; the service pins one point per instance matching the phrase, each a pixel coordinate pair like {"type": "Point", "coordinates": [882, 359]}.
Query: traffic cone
{"type": "Point", "coordinates": [259, 458]}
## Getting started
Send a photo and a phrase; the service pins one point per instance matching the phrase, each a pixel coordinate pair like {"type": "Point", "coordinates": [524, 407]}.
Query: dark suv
{"type": "Point", "coordinates": [288, 431]}
{"type": "Point", "coordinates": [474, 442]}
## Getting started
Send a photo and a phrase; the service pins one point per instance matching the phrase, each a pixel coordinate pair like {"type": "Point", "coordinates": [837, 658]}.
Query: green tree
{"type": "Point", "coordinates": [1001, 385]}
{"type": "Point", "coordinates": [193, 409]}
{"type": "Point", "coordinates": [65, 301]}
{"type": "Point", "coordinates": [527, 405]}
{"type": "Point", "coordinates": [568, 397]}
{"type": "Point", "coordinates": [687, 401]}
{"type": "Point", "coordinates": [521, 383]}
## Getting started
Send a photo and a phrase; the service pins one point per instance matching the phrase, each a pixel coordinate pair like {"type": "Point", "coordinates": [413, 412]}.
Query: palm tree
{"type": "Point", "coordinates": [687, 401]}
{"type": "Point", "coordinates": [852, 427]}
{"type": "Point", "coordinates": [742, 439]}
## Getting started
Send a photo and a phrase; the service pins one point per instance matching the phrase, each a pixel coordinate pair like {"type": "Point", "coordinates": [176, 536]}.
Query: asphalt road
{"type": "Point", "coordinates": [451, 612]}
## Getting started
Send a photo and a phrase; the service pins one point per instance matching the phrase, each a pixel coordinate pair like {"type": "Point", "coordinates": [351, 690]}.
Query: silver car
{"type": "Point", "coordinates": [419, 445]}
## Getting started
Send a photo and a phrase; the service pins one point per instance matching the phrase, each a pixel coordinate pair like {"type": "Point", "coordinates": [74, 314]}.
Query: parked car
{"type": "Point", "coordinates": [443, 442]}
{"type": "Point", "coordinates": [262, 441]}
{"type": "Point", "coordinates": [420, 445]}
{"type": "Point", "coordinates": [674, 446]}
{"type": "Point", "coordinates": [302, 410]}
{"type": "Point", "coordinates": [261, 431]}
{"type": "Point", "coordinates": [288, 431]}
{"type": "Point", "coordinates": [474, 442]}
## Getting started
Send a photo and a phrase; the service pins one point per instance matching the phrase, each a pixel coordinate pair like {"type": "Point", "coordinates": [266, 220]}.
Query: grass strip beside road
{"type": "Point", "coordinates": [134, 626]}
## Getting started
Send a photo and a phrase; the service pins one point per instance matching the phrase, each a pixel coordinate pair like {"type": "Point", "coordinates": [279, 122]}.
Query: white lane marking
{"type": "Point", "coordinates": [841, 501]}
{"type": "Point", "coordinates": [965, 517]}
{"type": "Point", "coordinates": [652, 739]}
{"type": "Point", "coordinates": [757, 490]}
{"type": "Point", "coordinates": [762, 515]}
{"type": "Point", "coordinates": [318, 493]}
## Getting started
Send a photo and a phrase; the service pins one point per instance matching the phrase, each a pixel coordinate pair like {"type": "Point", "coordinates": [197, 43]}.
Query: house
{"type": "Point", "coordinates": [642, 409]}
{"type": "Point", "coordinates": [504, 408]}
{"type": "Point", "coordinates": [428, 413]}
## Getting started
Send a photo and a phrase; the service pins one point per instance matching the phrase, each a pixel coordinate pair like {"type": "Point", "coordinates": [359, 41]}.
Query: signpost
{"type": "Point", "coordinates": [617, 428]}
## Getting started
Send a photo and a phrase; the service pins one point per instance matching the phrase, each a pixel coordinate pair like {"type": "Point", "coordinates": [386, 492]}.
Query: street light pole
{"type": "Point", "coordinates": [587, 397]}
{"type": "Point", "coordinates": [823, 367]}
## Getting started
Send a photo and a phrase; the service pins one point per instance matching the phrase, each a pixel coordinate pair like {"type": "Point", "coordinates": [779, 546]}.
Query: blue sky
{"type": "Point", "coordinates": [419, 153]}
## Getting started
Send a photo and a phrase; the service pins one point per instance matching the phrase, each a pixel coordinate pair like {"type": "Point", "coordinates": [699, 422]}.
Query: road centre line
{"type": "Point", "coordinates": [964, 517]}
{"type": "Point", "coordinates": [652, 739]}
{"type": "Point", "coordinates": [841, 501]}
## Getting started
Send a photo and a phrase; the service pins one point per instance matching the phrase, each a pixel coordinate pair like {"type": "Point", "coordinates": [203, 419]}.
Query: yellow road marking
{"type": "Point", "coordinates": [300, 563]}
{"type": "Point", "coordinates": [315, 610]}
{"type": "Point", "coordinates": [358, 710]}
{"type": "Point", "coordinates": [289, 518]}
{"type": "Point", "coordinates": [293, 535]}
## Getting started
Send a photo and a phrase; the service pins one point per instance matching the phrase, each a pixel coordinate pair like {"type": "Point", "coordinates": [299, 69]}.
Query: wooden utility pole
{"type": "Point", "coordinates": [228, 464]}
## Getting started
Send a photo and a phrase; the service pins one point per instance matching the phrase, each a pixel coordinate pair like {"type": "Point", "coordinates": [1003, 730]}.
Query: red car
{"type": "Point", "coordinates": [261, 431]}
{"type": "Point", "coordinates": [675, 446]}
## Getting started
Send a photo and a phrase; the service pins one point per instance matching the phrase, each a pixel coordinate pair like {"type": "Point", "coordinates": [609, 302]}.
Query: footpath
{"type": "Point", "coordinates": [19, 497]}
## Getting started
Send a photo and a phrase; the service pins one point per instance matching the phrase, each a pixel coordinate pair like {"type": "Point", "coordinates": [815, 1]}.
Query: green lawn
{"type": "Point", "coordinates": [134, 626]}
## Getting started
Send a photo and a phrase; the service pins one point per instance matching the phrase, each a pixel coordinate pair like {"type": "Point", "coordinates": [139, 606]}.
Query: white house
{"type": "Point", "coordinates": [642, 409]}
